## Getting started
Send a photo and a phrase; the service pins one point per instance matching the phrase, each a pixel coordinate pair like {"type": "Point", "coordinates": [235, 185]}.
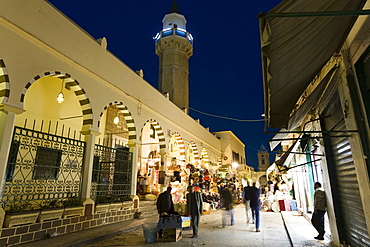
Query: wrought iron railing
{"type": "Point", "coordinates": [42, 168]}
{"type": "Point", "coordinates": [111, 178]}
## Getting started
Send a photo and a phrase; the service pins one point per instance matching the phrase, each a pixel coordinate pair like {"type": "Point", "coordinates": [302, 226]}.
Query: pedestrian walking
{"type": "Point", "coordinates": [194, 205]}
{"type": "Point", "coordinates": [221, 188]}
{"type": "Point", "coordinates": [319, 211]}
{"type": "Point", "coordinates": [165, 205]}
{"type": "Point", "coordinates": [227, 196]}
{"type": "Point", "coordinates": [254, 196]}
{"type": "Point", "coordinates": [248, 210]}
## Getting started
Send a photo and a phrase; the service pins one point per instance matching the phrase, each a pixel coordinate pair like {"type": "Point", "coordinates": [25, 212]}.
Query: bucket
{"type": "Point", "coordinates": [150, 232]}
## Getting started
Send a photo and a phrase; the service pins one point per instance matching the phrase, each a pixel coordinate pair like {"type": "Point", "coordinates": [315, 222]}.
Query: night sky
{"type": "Point", "coordinates": [225, 70]}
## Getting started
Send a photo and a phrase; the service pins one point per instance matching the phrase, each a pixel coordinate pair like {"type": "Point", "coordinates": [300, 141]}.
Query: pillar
{"type": "Point", "coordinates": [7, 121]}
{"type": "Point", "coordinates": [134, 149]}
{"type": "Point", "coordinates": [163, 167]}
{"type": "Point", "coordinates": [87, 169]}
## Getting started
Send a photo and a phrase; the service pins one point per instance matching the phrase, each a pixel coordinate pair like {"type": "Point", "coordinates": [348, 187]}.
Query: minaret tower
{"type": "Point", "coordinates": [263, 159]}
{"type": "Point", "coordinates": [174, 46]}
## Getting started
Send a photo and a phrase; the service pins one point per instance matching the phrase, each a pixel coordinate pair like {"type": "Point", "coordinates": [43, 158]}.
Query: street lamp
{"type": "Point", "coordinates": [235, 165]}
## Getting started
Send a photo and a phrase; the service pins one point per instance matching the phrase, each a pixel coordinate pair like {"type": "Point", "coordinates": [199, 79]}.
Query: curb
{"type": "Point", "coordinates": [286, 229]}
{"type": "Point", "coordinates": [109, 235]}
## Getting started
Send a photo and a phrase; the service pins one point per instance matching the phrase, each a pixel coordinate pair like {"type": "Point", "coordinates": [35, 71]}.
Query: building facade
{"type": "Point", "coordinates": [77, 124]}
{"type": "Point", "coordinates": [322, 106]}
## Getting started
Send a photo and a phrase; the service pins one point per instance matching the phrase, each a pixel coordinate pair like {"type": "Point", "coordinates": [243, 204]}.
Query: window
{"type": "Point", "coordinates": [12, 160]}
{"type": "Point", "coordinates": [47, 163]}
{"type": "Point", "coordinates": [96, 168]}
{"type": "Point", "coordinates": [236, 157]}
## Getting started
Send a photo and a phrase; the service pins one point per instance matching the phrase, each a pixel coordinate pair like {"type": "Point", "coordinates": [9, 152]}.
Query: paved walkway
{"type": "Point", "coordinates": [277, 229]}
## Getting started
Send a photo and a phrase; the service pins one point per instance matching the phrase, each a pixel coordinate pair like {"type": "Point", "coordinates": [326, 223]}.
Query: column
{"type": "Point", "coordinates": [7, 121]}
{"type": "Point", "coordinates": [134, 149]}
{"type": "Point", "coordinates": [87, 169]}
{"type": "Point", "coordinates": [163, 167]}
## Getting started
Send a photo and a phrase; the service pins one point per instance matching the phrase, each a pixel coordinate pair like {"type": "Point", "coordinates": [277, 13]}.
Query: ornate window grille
{"type": "Point", "coordinates": [111, 173]}
{"type": "Point", "coordinates": [42, 167]}
{"type": "Point", "coordinates": [47, 163]}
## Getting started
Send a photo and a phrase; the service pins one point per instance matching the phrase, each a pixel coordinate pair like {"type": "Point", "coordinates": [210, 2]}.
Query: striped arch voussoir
{"type": "Point", "coordinates": [74, 85]}
{"type": "Point", "coordinates": [128, 118]}
{"type": "Point", "coordinates": [158, 129]}
{"type": "Point", "coordinates": [4, 82]}
{"type": "Point", "coordinates": [205, 155]}
{"type": "Point", "coordinates": [181, 144]}
{"type": "Point", "coordinates": [195, 150]}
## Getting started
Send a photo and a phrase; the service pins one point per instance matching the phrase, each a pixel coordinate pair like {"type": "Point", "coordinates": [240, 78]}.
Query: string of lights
{"type": "Point", "coordinates": [234, 119]}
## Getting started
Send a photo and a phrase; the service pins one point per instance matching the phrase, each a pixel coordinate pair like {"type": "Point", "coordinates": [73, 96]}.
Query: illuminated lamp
{"type": "Point", "coordinates": [60, 97]}
{"type": "Point", "coordinates": [235, 165]}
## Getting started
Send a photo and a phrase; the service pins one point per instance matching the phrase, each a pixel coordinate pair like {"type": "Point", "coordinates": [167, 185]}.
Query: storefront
{"type": "Point", "coordinates": [149, 161]}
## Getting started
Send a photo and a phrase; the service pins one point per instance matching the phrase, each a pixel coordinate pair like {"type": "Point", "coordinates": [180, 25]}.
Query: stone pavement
{"type": "Point", "coordinates": [277, 229]}
{"type": "Point", "coordinates": [300, 230]}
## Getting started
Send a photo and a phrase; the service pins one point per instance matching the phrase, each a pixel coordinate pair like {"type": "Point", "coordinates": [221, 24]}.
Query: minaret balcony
{"type": "Point", "coordinates": [174, 31]}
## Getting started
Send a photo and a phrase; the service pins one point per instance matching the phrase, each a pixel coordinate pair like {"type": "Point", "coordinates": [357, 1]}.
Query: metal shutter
{"type": "Point", "coordinates": [349, 194]}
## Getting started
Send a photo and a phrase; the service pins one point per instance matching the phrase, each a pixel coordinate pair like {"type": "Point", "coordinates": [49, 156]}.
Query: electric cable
{"type": "Point", "coordinates": [234, 119]}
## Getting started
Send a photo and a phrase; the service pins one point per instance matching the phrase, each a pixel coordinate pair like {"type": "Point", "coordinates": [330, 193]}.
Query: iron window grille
{"type": "Point", "coordinates": [47, 163]}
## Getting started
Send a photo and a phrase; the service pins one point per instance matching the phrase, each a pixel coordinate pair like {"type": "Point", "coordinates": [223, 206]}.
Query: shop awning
{"type": "Point", "coordinates": [311, 101]}
{"type": "Point", "coordinates": [285, 159]}
{"type": "Point", "coordinates": [295, 48]}
{"type": "Point", "coordinates": [278, 136]}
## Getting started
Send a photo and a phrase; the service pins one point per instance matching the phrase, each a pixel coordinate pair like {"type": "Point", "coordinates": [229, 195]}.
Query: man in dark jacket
{"type": "Point", "coordinates": [246, 191]}
{"type": "Point", "coordinates": [253, 195]}
{"type": "Point", "coordinates": [227, 196]}
{"type": "Point", "coordinates": [165, 205]}
{"type": "Point", "coordinates": [319, 211]}
{"type": "Point", "coordinates": [194, 206]}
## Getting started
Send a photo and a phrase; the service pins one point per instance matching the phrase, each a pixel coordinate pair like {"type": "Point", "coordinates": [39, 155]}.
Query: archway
{"type": "Point", "coordinates": [192, 155]}
{"type": "Point", "coordinates": [47, 151]}
{"type": "Point", "coordinates": [152, 146]}
{"type": "Point", "coordinates": [4, 82]}
{"type": "Point", "coordinates": [120, 110]}
{"type": "Point", "coordinates": [204, 158]}
{"type": "Point", "coordinates": [70, 84]}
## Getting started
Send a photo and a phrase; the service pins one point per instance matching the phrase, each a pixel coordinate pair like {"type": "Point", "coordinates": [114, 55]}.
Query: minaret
{"type": "Point", "coordinates": [174, 46]}
{"type": "Point", "coordinates": [263, 159]}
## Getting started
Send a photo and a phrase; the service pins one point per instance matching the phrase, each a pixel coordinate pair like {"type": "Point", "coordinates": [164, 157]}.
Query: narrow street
{"type": "Point", "coordinates": [273, 233]}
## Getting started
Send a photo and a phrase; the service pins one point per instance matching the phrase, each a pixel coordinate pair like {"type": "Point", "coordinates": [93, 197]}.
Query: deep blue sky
{"type": "Point", "coordinates": [225, 70]}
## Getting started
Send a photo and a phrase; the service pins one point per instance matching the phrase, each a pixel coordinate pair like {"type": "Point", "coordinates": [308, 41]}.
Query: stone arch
{"type": "Point", "coordinates": [262, 180]}
{"type": "Point", "coordinates": [74, 85]}
{"type": "Point", "coordinates": [195, 150]}
{"type": "Point", "coordinates": [258, 175]}
{"type": "Point", "coordinates": [205, 158]}
{"type": "Point", "coordinates": [4, 82]}
{"type": "Point", "coordinates": [128, 118]}
{"type": "Point", "coordinates": [181, 145]}
{"type": "Point", "coordinates": [160, 133]}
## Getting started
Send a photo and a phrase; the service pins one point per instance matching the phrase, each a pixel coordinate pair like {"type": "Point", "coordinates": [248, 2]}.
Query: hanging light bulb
{"type": "Point", "coordinates": [60, 97]}
{"type": "Point", "coordinates": [116, 120]}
